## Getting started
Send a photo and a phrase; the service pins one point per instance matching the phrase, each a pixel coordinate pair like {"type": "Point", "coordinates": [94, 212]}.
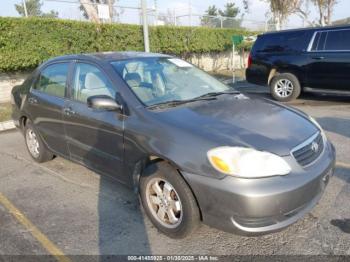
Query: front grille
{"type": "Point", "coordinates": [309, 151]}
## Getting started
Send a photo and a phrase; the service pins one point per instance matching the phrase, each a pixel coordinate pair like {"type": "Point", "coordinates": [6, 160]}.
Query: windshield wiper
{"type": "Point", "coordinates": [207, 96]}
{"type": "Point", "coordinates": [213, 94]}
{"type": "Point", "coordinates": [173, 103]}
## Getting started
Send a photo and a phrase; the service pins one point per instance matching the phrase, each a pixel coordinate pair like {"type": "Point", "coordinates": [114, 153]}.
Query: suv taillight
{"type": "Point", "coordinates": [249, 60]}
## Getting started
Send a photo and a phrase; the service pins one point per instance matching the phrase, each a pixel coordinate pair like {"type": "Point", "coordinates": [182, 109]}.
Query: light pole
{"type": "Point", "coordinates": [145, 25]}
{"type": "Point", "coordinates": [25, 8]}
{"type": "Point", "coordinates": [156, 12]}
{"type": "Point", "coordinates": [190, 12]}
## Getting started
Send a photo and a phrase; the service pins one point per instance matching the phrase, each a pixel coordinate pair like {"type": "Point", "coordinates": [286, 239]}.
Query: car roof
{"type": "Point", "coordinates": [108, 56]}
{"type": "Point", "coordinates": [311, 29]}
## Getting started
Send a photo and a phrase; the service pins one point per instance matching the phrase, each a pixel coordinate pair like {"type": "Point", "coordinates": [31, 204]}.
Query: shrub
{"type": "Point", "coordinates": [26, 42]}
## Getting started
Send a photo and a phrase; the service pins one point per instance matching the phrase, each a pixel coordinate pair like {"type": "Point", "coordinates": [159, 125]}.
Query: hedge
{"type": "Point", "coordinates": [26, 42]}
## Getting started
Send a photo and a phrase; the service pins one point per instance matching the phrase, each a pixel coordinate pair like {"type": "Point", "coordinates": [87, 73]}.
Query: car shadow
{"type": "Point", "coordinates": [342, 224]}
{"type": "Point", "coordinates": [326, 97]}
{"type": "Point", "coordinates": [316, 99]}
{"type": "Point", "coordinates": [121, 227]}
{"type": "Point", "coordinates": [121, 223]}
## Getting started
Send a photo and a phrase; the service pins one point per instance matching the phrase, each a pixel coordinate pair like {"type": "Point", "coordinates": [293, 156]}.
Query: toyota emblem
{"type": "Point", "coordinates": [314, 147]}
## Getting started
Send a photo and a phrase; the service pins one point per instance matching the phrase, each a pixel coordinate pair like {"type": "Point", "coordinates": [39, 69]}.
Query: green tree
{"type": "Point", "coordinates": [230, 14]}
{"type": "Point", "coordinates": [34, 9]}
{"type": "Point", "coordinates": [210, 18]}
{"type": "Point", "coordinates": [230, 10]}
{"type": "Point", "coordinates": [215, 17]}
{"type": "Point", "coordinates": [212, 10]}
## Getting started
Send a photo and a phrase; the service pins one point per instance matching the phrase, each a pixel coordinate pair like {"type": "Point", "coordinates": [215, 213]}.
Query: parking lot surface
{"type": "Point", "coordinates": [71, 209]}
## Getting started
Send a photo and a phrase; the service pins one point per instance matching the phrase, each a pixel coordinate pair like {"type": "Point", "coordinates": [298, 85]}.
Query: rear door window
{"type": "Point", "coordinates": [52, 80]}
{"type": "Point", "coordinates": [338, 40]}
{"type": "Point", "coordinates": [315, 41]}
{"type": "Point", "coordinates": [319, 41]}
{"type": "Point", "coordinates": [283, 42]}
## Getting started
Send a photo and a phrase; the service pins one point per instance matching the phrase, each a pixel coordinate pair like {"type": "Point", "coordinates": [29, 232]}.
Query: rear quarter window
{"type": "Point", "coordinates": [338, 40]}
{"type": "Point", "coordinates": [282, 42]}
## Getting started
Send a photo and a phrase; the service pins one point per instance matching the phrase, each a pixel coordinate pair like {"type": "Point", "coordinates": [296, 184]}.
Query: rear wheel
{"type": "Point", "coordinates": [285, 87]}
{"type": "Point", "coordinates": [35, 145]}
{"type": "Point", "coordinates": [168, 201]}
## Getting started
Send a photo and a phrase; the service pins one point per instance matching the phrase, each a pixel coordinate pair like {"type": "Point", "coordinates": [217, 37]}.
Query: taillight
{"type": "Point", "coordinates": [249, 60]}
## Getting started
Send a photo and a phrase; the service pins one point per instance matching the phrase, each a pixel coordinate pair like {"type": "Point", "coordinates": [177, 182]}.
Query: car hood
{"type": "Point", "coordinates": [239, 120]}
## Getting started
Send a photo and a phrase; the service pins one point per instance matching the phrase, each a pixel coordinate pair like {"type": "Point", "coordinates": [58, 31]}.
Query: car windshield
{"type": "Point", "coordinates": [159, 80]}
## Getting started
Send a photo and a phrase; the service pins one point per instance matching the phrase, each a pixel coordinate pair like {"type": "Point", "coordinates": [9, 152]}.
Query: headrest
{"type": "Point", "coordinates": [58, 79]}
{"type": "Point", "coordinates": [133, 79]}
{"type": "Point", "coordinates": [93, 81]}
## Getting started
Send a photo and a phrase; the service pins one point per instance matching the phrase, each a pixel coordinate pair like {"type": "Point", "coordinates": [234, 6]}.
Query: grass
{"type": "Point", "coordinates": [5, 112]}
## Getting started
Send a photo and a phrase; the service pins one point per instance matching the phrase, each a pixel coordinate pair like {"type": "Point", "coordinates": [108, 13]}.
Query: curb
{"type": "Point", "coordinates": [7, 125]}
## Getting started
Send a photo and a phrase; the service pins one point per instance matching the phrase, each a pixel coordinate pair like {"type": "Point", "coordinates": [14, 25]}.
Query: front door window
{"type": "Point", "coordinates": [90, 81]}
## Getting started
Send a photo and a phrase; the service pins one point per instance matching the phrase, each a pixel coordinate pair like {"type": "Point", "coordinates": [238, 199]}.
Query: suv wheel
{"type": "Point", "coordinates": [285, 87]}
{"type": "Point", "coordinates": [168, 201]}
{"type": "Point", "coordinates": [35, 145]}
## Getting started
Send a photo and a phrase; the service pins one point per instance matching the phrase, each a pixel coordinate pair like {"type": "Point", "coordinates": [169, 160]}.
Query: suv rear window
{"type": "Point", "coordinates": [338, 40]}
{"type": "Point", "coordinates": [282, 42]}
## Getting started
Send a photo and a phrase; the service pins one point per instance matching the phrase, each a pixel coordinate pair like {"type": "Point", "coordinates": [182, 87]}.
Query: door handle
{"type": "Point", "coordinates": [68, 111]}
{"type": "Point", "coordinates": [318, 57]}
{"type": "Point", "coordinates": [32, 100]}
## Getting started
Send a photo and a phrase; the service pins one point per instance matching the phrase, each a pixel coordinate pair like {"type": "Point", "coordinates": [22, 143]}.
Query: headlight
{"type": "Point", "coordinates": [247, 162]}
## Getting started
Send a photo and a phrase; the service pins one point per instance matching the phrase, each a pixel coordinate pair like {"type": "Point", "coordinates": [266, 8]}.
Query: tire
{"type": "Point", "coordinates": [288, 81]}
{"type": "Point", "coordinates": [35, 146]}
{"type": "Point", "coordinates": [181, 197]}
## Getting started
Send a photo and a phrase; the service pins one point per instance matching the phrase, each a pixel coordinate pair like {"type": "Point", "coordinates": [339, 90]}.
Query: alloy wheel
{"type": "Point", "coordinates": [284, 88]}
{"type": "Point", "coordinates": [164, 202]}
{"type": "Point", "coordinates": [32, 143]}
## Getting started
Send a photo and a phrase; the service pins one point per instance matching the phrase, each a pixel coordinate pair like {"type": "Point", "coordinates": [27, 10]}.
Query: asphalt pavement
{"type": "Point", "coordinates": [63, 208]}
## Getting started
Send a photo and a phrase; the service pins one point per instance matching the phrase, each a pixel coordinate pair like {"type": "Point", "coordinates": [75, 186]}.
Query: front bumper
{"type": "Point", "coordinates": [253, 206]}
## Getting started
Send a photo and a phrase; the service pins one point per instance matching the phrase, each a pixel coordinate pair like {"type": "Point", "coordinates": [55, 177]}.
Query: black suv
{"type": "Point", "coordinates": [292, 61]}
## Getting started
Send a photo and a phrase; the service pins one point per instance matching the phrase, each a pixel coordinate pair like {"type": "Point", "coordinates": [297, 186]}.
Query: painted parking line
{"type": "Point", "coordinates": [343, 165]}
{"type": "Point", "coordinates": [36, 233]}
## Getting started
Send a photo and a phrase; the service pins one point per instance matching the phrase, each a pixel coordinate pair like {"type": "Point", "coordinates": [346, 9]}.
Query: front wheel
{"type": "Point", "coordinates": [285, 87]}
{"type": "Point", "coordinates": [168, 201]}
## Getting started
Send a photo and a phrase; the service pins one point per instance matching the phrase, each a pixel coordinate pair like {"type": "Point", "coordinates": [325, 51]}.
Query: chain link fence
{"type": "Point", "coordinates": [220, 22]}
{"type": "Point", "coordinates": [112, 11]}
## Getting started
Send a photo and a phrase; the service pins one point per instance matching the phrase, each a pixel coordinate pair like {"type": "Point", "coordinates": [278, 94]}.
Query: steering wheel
{"type": "Point", "coordinates": [146, 85]}
{"type": "Point", "coordinates": [171, 88]}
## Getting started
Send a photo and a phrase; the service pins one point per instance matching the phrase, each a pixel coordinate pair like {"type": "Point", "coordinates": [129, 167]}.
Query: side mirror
{"type": "Point", "coordinates": [103, 103]}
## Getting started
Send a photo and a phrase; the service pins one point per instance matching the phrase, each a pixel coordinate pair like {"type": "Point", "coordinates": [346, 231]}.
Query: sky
{"type": "Point", "coordinates": [257, 13]}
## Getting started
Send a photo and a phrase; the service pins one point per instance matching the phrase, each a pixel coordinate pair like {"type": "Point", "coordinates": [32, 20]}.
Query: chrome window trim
{"type": "Point", "coordinates": [307, 142]}
{"type": "Point", "coordinates": [312, 41]}
{"type": "Point", "coordinates": [326, 51]}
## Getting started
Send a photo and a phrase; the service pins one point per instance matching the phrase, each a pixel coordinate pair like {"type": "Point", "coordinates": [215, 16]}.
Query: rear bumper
{"type": "Point", "coordinates": [255, 206]}
{"type": "Point", "coordinates": [256, 76]}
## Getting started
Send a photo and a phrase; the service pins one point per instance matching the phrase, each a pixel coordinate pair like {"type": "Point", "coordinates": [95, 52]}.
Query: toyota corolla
{"type": "Point", "coordinates": [193, 148]}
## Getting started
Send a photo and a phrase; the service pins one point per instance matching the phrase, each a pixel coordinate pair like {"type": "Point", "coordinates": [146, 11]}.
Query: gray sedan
{"type": "Point", "coordinates": [192, 147]}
